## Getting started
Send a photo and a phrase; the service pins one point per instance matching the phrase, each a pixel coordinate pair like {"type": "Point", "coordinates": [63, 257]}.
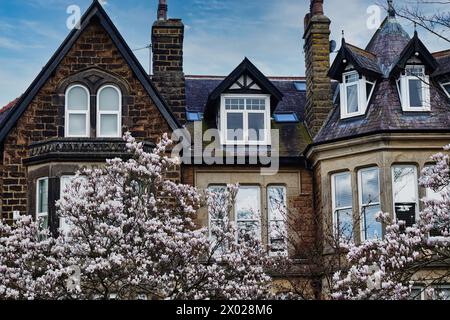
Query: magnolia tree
{"type": "Point", "coordinates": [407, 257]}
{"type": "Point", "coordinates": [132, 234]}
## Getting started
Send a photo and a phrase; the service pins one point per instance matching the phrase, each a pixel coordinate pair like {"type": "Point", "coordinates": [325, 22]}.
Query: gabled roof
{"type": "Point", "coordinates": [95, 11]}
{"type": "Point", "coordinates": [248, 68]}
{"type": "Point", "coordinates": [415, 47]}
{"type": "Point", "coordinates": [245, 68]}
{"type": "Point", "coordinates": [199, 88]}
{"type": "Point", "coordinates": [363, 61]}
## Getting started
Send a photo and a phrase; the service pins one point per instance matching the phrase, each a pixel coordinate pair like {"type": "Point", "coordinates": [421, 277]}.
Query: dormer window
{"type": "Point", "coordinates": [245, 120]}
{"type": "Point", "coordinates": [414, 89]}
{"type": "Point", "coordinates": [356, 92]}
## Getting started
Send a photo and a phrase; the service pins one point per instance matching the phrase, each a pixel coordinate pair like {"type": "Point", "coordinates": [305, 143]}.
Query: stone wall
{"type": "Point", "coordinates": [44, 117]}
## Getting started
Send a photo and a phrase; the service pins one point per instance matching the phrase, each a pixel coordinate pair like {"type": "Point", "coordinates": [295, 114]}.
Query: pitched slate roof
{"type": "Point", "coordinates": [199, 88]}
{"type": "Point", "coordinates": [443, 60]}
{"type": "Point", "coordinates": [294, 137]}
{"type": "Point", "coordinates": [392, 46]}
{"type": "Point", "coordinates": [388, 42]}
{"type": "Point", "coordinates": [95, 11]}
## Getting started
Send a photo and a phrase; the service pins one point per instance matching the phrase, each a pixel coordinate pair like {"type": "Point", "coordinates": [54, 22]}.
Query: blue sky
{"type": "Point", "coordinates": [219, 33]}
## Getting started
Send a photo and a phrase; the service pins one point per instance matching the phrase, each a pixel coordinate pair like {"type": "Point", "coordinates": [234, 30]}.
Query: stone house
{"type": "Point", "coordinates": [349, 139]}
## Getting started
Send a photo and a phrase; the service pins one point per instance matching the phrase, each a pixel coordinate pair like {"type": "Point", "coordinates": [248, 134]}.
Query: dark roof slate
{"type": "Point", "coordinates": [392, 46]}
{"type": "Point", "coordinates": [198, 89]}
{"type": "Point", "coordinates": [388, 42]}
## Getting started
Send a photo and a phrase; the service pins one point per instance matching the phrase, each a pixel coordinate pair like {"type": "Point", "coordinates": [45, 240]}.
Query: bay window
{"type": "Point", "coordinates": [65, 181]}
{"type": "Point", "coordinates": [77, 111]}
{"type": "Point", "coordinates": [356, 92]}
{"type": "Point", "coordinates": [42, 203]}
{"type": "Point", "coordinates": [342, 203]}
{"type": "Point", "coordinates": [109, 112]}
{"type": "Point", "coordinates": [414, 89]}
{"type": "Point", "coordinates": [405, 193]}
{"type": "Point", "coordinates": [245, 120]}
{"type": "Point", "coordinates": [369, 203]}
{"type": "Point", "coordinates": [277, 214]}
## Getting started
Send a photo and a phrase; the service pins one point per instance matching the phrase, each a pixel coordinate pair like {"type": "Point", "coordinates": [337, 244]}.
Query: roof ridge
{"type": "Point", "coordinates": [279, 78]}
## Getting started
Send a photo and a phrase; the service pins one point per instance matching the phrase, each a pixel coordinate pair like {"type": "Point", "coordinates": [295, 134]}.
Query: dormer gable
{"type": "Point", "coordinates": [246, 79]}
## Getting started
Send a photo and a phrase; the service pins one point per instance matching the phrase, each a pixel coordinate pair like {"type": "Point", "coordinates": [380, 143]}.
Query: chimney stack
{"type": "Point", "coordinates": [317, 55]}
{"type": "Point", "coordinates": [167, 50]}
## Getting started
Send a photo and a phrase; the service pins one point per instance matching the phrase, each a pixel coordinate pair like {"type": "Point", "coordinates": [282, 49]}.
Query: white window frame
{"type": "Point", "coordinates": [363, 100]}
{"type": "Point", "coordinates": [403, 89]}
{"type": "Point", "coordinates": [269, 218]}
{"type": "Point", "coordinates": [75, 112]}
{"type": "Point", "coordinates": [334, 207]}
{"type": "Point", "coordinates": [361, 206]}
{"type": "Point", "coordinates": [416, 189]}
{"type": "Point", "coordinates": [236, 220]}
{"type": "Point", "coordinates": [223, 120]}
{"type": "Point", "coordinates": [41, 214]}
{"type": "Point", "coordinates": [443, 84]}
{"type": "Point", "coordinates": [117, 113]}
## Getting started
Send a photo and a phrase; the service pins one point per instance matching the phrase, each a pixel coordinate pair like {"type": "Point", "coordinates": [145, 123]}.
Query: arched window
{"type": "Point", "coordinates": [109, 112]}
{"type": "Point", "coordinates": [77, 111]}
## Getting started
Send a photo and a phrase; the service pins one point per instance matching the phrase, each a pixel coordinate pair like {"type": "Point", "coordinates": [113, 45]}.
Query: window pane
{"type": "Point", "coordinates": [415, 93]}
{"type": "Point", "coordinates": [108, 125]}
{"type": "Point", "coordinates": [352, 98]}
{"type": "Point", "coordinates": [370, 187]}
{"type": "Point", "coordinates": [256, 104]}
{"type": "Point", "coordinates": [256, 127]}
{"type": "Point", "coordinates": [234, 104]}
{"type": "Point", "coordinates": [77, 124]}
{"type": "Point", "coordinates": [42, 196]}
{"type": "Point", "coordinates": [353, 77]}
{"type": "Point", "coordinates": [343, 190]}
{"type": "Point", "coordinates": [372, 229]}
{"type": "Point", "coordinates": [77, 99]}
{"type": "Point", "coordinates": [248, 203]}
{"type": "Point", "coordinates": [277, 203]}
{"type": "Point", "coordinates": [344, 223]}
{"type": "Point", "coordinates": [369, 87]}
{"type": "Point", "coordinates": [405, 184]}
{"type": "Point", "coordinates": [109, 100]}
{"type": "Point", "coordinates": [235, 126]}
{"type": "Point", "coordinates": [277, 218]}
{"type": "Point", "coordinates": [447, 88]}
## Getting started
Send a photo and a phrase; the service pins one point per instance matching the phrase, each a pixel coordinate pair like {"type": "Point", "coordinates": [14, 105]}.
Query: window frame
{"type": "Point", "coordinates": [223, 120]}
{"type": "Point", "coordinates": [38, 213]}
{"type": "Point", "coordinates": [269, 218]}
{"type": "Point", "coordinates": [416, 189]}
{"type": "Point", "coordinates": [363, 98]}
{"type": "Point", "coordinates": [404, 93]}
{"type": "Point", "coordinates": [118, 113]}
{"type": "Point", "coordinates": [362, 218]}
{"type": "Point", "coordinates": [68, 112]}
{"type": "Point", "coordinates": [334, 207]}
{"type": "Point", "coordinates": [210, 220]}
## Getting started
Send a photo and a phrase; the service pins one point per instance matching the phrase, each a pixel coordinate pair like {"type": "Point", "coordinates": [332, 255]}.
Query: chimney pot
{"type": "Point", "coordinates": [162, 10]}
{"type": "Point", "coordinates": [316, 8]}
